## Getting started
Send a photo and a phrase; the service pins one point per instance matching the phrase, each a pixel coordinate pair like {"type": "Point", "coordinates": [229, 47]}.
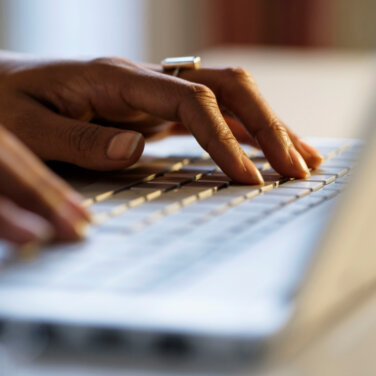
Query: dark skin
{"type": "Point", "coordinates": [59, 109]}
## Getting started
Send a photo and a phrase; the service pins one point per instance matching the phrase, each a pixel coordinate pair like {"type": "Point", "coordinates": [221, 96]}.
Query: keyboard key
{"type": "Point", "coordinates": [189, 175]}
{"type": "Point", "coordinates": [171, 179]}
{"type": "Point", "coordinates": [326, 193]}
{"type": "Point", "coordinates": [338, 163]}
{"type": "Point", "coordinates": [310, 200]}
{"type": "Point", "coordinates": [256, 206]}
{"type": "Point", "coordinates": [243, 190]}
{"type": "Point", "coordinates": [261, 163]}
{"type": "Point", "coordinates": [331, 171]}
{"type": "Point", "coordinates": [102, 190]}
{"type": "Point", "coordinates": [304, 184]}
{"type": "Point", "coordinates": [274, 179]}
{"type": "Point", "coordinates": [281, 200]}
{"type": "Point", "coordinates": [215, 178]}
{"type": "Point", "coordinates": [200, 184]}
{"type": "Point", "coordinates": [290, 191]}
{"type": "Point", "coordinates": [326, 179]}
{"type": "Point", "coordinates": [153, 186]}
{"type": "Point", "coordinates": [171, 214]}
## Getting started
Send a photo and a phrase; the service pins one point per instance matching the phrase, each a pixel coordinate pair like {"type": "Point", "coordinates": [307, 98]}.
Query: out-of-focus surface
{"type": "Point", "coordinates": [66, 28]}
{"type": "Point", "coordinates": [153, 29]}
{"type": "Point", "coordinates": [317, 92]}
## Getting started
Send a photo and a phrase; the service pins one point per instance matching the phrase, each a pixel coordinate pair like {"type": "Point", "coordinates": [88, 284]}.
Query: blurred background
{"type": "Point", "coordinates": [152, 29]}
{"type": "Point", "coordinates": [293, 47]}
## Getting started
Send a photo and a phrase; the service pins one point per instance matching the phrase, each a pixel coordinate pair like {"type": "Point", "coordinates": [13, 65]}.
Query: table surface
{"type": "Point", "coordinates": [318, 93]}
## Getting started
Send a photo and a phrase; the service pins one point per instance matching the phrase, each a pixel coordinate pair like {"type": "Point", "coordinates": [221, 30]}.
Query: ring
{"type": "Point", "coordinates": [175, 64]}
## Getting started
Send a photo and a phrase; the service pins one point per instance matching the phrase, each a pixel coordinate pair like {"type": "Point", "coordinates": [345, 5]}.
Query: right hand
{"type": "Point", "coordinates": [35, 204]}
{"type": "Point", "coordinates": [59, 109]}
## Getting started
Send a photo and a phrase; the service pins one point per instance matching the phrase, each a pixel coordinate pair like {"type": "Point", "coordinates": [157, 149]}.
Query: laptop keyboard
{"type": "Point", "coordinates": [167, 219]}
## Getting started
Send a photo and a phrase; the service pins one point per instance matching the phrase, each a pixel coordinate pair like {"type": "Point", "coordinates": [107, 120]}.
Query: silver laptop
{"type": "Point", "coordinates": [183, 261]}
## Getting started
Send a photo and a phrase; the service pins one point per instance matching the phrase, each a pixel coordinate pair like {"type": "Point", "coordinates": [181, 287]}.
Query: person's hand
{"type": "Point", "coordinates": [35, 205]}
{"type": "Point", "coordinates": [59, 108]}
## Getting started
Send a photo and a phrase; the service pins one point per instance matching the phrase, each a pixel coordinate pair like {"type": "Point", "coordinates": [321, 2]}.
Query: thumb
{"type": "Point", "coordinates": [87, 145]}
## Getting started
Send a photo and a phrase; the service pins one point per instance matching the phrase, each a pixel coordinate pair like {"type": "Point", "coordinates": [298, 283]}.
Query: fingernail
{"type": "Point", "coordinates": [298, 162]}
{"type": "Point", "coordinates": [253, 171]}
{"type": "Point", "coordinates": [123, 145]}
{"type": "Point", "coordinates": [78, 204]}
{"type": "Point", "coordinates": [46, 234]}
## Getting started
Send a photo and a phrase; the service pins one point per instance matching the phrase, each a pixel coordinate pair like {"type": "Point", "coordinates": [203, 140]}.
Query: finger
{"type": "Point", "coordinates": [311, 155]}
{"type": "Point", "coordinates": [151, 128]}
{"type": "Point", "coordinates": [174, 99]}
{"type": "Point", "coordinates": [84, 144]}
{"type": "Point", "coordinates": [237, 129]}
{"type": "Point", "coordinates": [238, 92]}
{"type": "Point", "coordinates": [21, 226]}
{"type": "Point", "coordinates": [115, 86]}
{"type": "Point", "coordinates": [240, 132]}
{"type": "Point", "coordinates": [32, 186]}
{"type": "Point", "coordinates": [154, 129]}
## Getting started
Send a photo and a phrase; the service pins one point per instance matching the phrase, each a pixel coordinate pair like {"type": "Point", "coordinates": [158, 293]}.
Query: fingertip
{"type": "Point", "coordinates": [298, 164]}
{"type": "Point", "coordinates": [253, 174]}
{"type": "Point", "coordinates": [314, 161]}
{"type": "Point", "coordinates": [311, 155]}
{"type": "Point", "coordinates": [69, 225]}
{"type": "Point", "coordinates": [78, 204]}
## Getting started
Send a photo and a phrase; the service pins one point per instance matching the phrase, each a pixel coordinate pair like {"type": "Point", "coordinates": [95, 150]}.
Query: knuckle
{"type": "Point", "coordinates": [275, 129]}
{"type": "Point", "coordinates": [235, 79]}
{"type": "Point", "coordinates": [82, 138]}
{"type": "Point", "coordinates": [200, 93]}
{"type": "Point", "coordinates": [276, 126]}
{"type": "Point", "coordinates": [193, 97]}
{"type": "Point", "coordinates": [108, 61]}
{"type": "Point", "coordinates": [223, 136]}
{"type": "Point", "coordinates": [239, 74]}
{"type": "Point", "coordinates": [103, 61]}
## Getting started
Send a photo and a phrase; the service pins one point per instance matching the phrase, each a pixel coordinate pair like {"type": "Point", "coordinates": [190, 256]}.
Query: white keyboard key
{"type": "Point", "coordinates": [290, 191]}
{"type": "Point", "coordinates": [332, 171]}
{"type": "Point", "coordinates": [303, 184]}
{"type": "Point", "coordinates": [326, 179]}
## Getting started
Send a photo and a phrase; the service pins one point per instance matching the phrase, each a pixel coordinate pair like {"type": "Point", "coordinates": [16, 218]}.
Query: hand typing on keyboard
{"type": "Point", "coordinates": [97, 114]}
{"type": "Point", "coordinates": [34, 203]}
{"type": "Point", "coordinates": [58, 108]}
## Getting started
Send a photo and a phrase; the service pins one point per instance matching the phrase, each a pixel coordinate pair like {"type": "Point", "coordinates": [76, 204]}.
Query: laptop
{"type": "Point", "coordinates": [182, 261]}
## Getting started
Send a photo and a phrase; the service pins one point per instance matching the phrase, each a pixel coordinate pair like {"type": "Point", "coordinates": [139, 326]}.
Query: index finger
{"type": "Point", "coordinates": [239, 93]}
{"type": "Point", "coordinates": [195, 105]}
